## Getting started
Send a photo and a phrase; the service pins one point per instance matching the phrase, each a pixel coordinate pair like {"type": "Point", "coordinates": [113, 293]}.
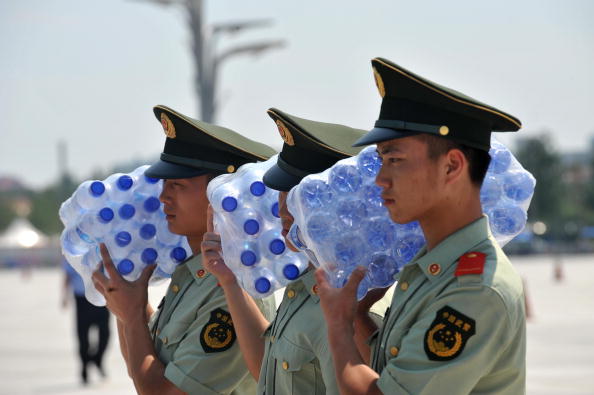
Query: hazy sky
{"type": "Point", "coordinates": [89, 72]}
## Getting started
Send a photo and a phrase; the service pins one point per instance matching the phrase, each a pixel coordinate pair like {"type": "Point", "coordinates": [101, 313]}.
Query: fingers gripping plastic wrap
{"type": "Point", "coordinates": [247, 218]}
{"type": "Point", "coordinates": [341, 222]}
{"type": "Point", "coordinates": [124, 212]}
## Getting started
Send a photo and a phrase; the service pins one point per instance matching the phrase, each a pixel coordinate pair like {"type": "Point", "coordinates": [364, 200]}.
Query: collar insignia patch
{"type": "Point", "coordinates": [218, 334]}
{"type": "Point", "coordinates": [448, 334]}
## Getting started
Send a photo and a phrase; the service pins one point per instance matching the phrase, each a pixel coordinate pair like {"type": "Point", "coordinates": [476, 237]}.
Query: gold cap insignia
{"type": "Point", "coordinates": [379, 82]}
{"type": "Point", "coordinates": [218, 334]}
{"type": "Point", "coordinates": [448, 334]}
{"type": "Point", "coordinates": [284, 132]}
{"type": "Point", "coordinates": [167, 126]}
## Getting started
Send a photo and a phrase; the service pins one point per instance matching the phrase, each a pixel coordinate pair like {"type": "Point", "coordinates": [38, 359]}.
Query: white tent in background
{"type": "Point", "coordinates": [21, 234]}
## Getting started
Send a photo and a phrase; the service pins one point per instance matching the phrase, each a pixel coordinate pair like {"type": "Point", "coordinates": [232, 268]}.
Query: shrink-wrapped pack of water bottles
{"type": "Point", "coordinates": [124, 212]}
{"type": "Point", "coordinates": [341, 222]}
{"type": "Point", "coordinates": [247, 218]}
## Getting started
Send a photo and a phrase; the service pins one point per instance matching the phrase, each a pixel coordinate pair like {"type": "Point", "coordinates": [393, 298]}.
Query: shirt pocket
{"type": "Point", "coordinates": [172, 334]}
{"type": "Point", "coordinates": [292, 358]}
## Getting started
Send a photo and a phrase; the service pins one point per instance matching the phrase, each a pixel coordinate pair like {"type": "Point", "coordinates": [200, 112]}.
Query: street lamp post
{"type": "Point", "coordinates": [206, 59]}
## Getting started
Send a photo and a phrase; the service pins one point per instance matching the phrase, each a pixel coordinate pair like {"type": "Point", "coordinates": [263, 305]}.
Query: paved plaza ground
{"type": "Point", "coordinates": [38, 353]}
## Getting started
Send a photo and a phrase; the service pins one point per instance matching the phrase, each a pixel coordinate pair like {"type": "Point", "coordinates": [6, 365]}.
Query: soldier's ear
{"type": "Point", "coordinates": [455, 163]}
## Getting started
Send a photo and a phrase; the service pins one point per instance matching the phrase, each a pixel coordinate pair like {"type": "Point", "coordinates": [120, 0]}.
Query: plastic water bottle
{"type": "Point", "coordinates": [146, 207]}
{"type": "Point", "coordinates": [500, 159]}
{"type": "Point", "coordinates": [270, 209]}
{"type": "Point", "coordinates": [145, 185]}
{"type": "Point", "coordinates": [381, 270]}
{"type": "Point", "coordinates": [272, 243]}
{"type": "Point", "coordinates": [345, 178]}
{"type": "Point", "coordinates": [351, 213]}
{"type": "Point", "coordinates": [91, 195]}
{"type": "Point", "coordinates": [369, 162]}
{"type": "Point", "coordinates": [348, 250]}
{"type": "Point", "coordinates": [340, 277]}
{"type": "Point", "coordinates": [289, 269]}
{"type": "Point", "coordinates": [96, 225]}
{"type": "Point", "coordinates": [408, 246]}
{"type": "Point", "coordinates": [518, 186]}
{"type": "Point", "coordinates": [70, 211]}
{"type": "Point", "coordinates": [75, 241]}
{"type": "Point", "coordinates": [226, 198]}
{"type": "Point", "coordinates": [172, 258]}
{"type": "Point", "coordinates": [321, 227]}
{"type": "Point", "coordinates": [126, 211]}
{"type": "Point", "coordinates": [118, 244]}
{"type": "Point", "coordinates": [121, 187]}
{"type": "Point", "coordinates": [315, 194]}
{"type": "Point", "coordinates": [507, 220]}
{"type": "Point", "coordinates": [372, 195]}
{"type": "Point", "coordinates": [491, 191]}
{"type": "Point", "coordinates": [249, 255]}
{"type": "Point", "coordinates": [260, 281]}
{"type": "Point", "coordinates": [248, 220]}
{"type": "Point", "coordinates": [380, 233]}
{"type": "Point", "coordinates": [164, 236]}
{"type": "Point", "coordinates": [296, 237]}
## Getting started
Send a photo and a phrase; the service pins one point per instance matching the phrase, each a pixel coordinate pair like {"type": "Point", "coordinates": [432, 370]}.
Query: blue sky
{"type": "Point", "coordinates": [89, 72]}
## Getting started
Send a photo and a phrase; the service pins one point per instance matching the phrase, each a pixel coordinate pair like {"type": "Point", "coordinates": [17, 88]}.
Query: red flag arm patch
{"type": "Point", "coordinates": [471, 263]}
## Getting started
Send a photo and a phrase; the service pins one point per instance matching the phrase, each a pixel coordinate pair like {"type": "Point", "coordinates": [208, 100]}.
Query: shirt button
{"type": "Point", "coordinates": [404, 285]}
{"type": "Point", "coordinates": [434, 269]}
{"type": "Point", "coordinates": [175, 288]}
{"type": "Point", "coordinates": [314, 289]}
{"type": "Point", "coordinates": [285, 365]}
{"type": "Point", "coordinates": [158, 331]}
{"type": "Point", "coordinates": [394, 351]}
{"type": "Point", "coordinates": [290, 294]}
{"type": "Point", "coordinates": [165, 340]}
{"type": "Point", "coordinates": [271, 339]}
{"type": "Point", "coordinates": [200, 273]}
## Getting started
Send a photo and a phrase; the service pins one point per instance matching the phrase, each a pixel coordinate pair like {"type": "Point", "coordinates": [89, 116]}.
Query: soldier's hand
{"type": "Point", "coordinates": [127, 300]}
{"type": "Point", "coordinates": [370, 299]}
{"type": "Point", "coordinates": [339, 304]}
{"type": "Point", "coordinates": [212, 258]}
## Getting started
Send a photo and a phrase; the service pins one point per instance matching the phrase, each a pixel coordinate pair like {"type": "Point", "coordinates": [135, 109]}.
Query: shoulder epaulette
{"type": "Point", "coordinates": [471, 263]}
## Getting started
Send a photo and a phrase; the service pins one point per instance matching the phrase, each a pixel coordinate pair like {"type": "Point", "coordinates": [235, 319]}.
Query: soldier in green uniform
{"type": "Point", "coordinates": [291, 354]}
{"type": "Point", "coordinates": [457, 320]}
{"type": "Point", "coordinates": [189, 344]}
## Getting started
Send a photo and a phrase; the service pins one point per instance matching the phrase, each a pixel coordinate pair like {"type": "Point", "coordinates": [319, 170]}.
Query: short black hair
{"type": "Point", "coordinates": [478, 160]}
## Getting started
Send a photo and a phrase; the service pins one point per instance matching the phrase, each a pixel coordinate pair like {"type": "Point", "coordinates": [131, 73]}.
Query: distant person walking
{"type": "Point", "coordinates": [87, 316]}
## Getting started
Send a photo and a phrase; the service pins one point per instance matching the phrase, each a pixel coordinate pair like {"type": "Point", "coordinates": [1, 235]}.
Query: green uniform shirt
{"type": "Point", "coordinates": [452, 334]}
{"type": "Point", "coordinates": [194, 337]}
{"type": "Point", "coordinates": [297, 358]}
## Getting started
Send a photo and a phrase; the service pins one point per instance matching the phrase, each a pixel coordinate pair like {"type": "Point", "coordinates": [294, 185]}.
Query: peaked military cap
{"type": "Point", "coordinates": [193, 148]}
{"type": "Point", "coordinates": [412, 104]}
{"type": "Point", "coordinates": [309, 147]}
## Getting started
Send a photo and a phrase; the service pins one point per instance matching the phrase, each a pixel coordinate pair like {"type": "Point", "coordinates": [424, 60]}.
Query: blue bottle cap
{"type": "Point", "coordinates": [127, 211]}
{"type": "Point", "coordinates": [274, 210]}
{"type": "Point", "coordinates": [262, 285]}
{"type": "Point", "coordinates": [290, 271]}
{"type": "Point", "coordinates": [257, 188]}
{"type": "Point", "coordinates": [277, 246]}
{"type": "Point", "coordinates": [124, 182]}
{"type": "Point", "coordinates": [149, 255]}
{"type": "Point", "coordinates": [229, 203]}
{"type": "Point", "coordinates": [251, 227]}
{"type": "Point", "coordinates": [248, 257]}
{"type": "Point", "coordinates": [178, 254]}
{"type": "Point", "coordinates": [123, 238]}
{"type": "Point", "coordinates": [125, 266]}
{"type": "Point", "coordinates": [105, 215]}
{"type": "Point", "coordinates": [151, 204]}
{"type": "Point", "coordinates": [151, 180]}
{"type": "Point", "coordinates": [97, 188]}
{"type": "Point", "coordinates": [147, 231]}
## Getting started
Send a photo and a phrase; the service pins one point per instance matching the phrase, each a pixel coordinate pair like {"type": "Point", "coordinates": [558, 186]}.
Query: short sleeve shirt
{"type": "Point", "coordinates": [194, 335]}
{"type": "Point", "coordinates": [455, 333]}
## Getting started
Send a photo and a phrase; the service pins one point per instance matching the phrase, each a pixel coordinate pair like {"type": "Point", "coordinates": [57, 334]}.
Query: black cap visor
{"type": "Point", "coordinates": [377, 135]}
{"type": "Point", "coordinates": [279, 179]}
{"type": "Point", "coordinates": [167, 170]}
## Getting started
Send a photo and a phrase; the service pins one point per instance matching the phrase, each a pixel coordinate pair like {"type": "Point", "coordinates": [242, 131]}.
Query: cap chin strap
{"type": "Point", "coordinates": [412, 126]}
{"type": "Point", "coordinates": [180, 160]}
